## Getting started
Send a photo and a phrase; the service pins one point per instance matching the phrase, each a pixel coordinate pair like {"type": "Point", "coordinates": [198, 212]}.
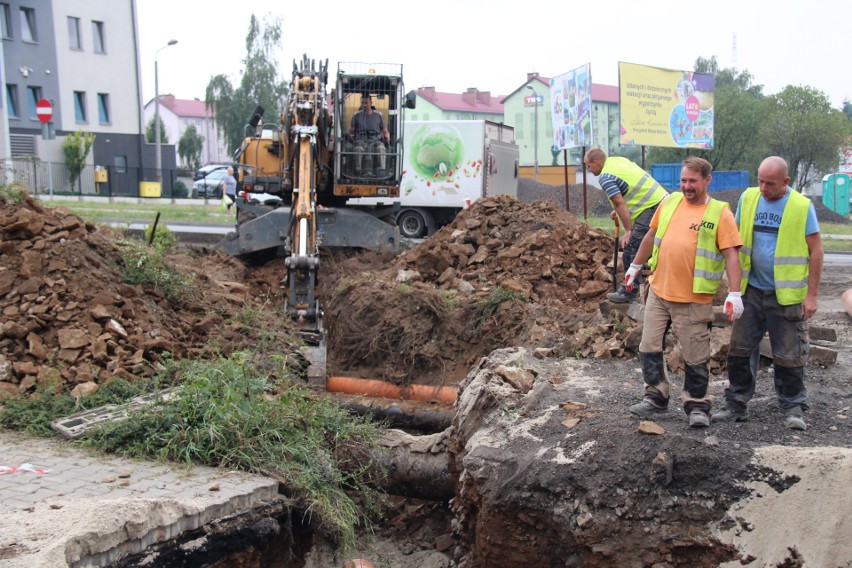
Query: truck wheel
{"type": "Point", "coordinates": [411, 225]}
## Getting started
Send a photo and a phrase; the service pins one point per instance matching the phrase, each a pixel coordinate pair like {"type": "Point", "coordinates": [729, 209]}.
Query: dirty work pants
{"type": "Point", "coordinates": [641, 226]}
{"type": "Point", "coordinates": [790, 341]}
{"type": "Point", "coordinates": [691, 324]}
{"type": "Point", "coordinates": [369, 153]}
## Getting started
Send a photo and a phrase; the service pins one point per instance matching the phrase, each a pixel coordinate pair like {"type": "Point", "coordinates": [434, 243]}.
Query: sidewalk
{"type": "Point", "coordinates": [70, 505]}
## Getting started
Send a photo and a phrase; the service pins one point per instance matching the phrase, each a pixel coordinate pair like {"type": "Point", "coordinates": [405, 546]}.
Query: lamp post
{"type": "Point", "coordinates": [157, 116]}
{"type": "Point", "coordinates": [535, 134]}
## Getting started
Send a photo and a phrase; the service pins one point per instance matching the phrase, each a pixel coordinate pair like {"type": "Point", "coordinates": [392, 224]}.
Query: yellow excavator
{"type": "Point", "coordinates": [296, 175]}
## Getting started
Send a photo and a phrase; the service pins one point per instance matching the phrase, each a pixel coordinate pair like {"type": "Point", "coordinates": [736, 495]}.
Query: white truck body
{"type": "Point", "coordinates": [447, 165]}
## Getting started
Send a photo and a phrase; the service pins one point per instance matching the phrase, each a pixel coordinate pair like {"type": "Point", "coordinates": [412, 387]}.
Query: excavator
{"type": "Point", "coordinates": [308, 166]}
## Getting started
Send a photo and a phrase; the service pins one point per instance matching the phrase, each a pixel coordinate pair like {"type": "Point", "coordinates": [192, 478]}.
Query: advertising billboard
{"type": "Point", "coordinates": [571, 108]}
{"type": "Point", "coordinates": [664, 107]}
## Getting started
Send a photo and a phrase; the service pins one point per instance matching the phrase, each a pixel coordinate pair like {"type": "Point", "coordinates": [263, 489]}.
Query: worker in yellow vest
{"type": "Point", "coordinates": [782, 266]}
{"type": "Point", "coordinates": [635, 196]}
{"type": "Point", "coordinates": [691, 242]}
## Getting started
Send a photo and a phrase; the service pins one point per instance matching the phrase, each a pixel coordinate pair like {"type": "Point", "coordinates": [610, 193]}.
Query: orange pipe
{"type": "Point", "coordinates": [382, 389]}
{"type": "Point", "coordinates": [846, 300]}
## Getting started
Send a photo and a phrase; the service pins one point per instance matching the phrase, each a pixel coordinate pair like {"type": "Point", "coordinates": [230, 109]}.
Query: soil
{"type": "Point", "coordinates": [505, 273]}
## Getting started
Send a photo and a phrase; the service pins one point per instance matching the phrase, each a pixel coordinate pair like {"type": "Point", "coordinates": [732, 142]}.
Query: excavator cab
{"type": "Point", "coordinates": [367, 116]}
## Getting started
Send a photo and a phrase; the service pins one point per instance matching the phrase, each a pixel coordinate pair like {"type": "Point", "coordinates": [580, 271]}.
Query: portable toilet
{"type": "Point", "coordinates": [835, 193]}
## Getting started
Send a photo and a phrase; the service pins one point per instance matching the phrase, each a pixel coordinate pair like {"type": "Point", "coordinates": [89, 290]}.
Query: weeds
{"type": "Point", "coordinates": [496, 296]}
{"type": "Point", "coordinates": [12, 193]}
{"type": "Point", "coordinates": [164, 240]}
{"type": "Point", "coordinates": [149, 267]}
{"type": "Point", "coordinates": [222, 417]}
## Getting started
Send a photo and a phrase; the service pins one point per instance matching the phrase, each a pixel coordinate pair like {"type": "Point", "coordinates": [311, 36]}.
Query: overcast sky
{"type": "Point", "coordinates": [493, 44]}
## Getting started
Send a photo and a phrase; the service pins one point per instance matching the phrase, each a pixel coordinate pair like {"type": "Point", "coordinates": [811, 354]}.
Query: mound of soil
{"type": "Point", "coordinates": [68, 317]}
{"type": "Point", "coordinates": [504, 273]}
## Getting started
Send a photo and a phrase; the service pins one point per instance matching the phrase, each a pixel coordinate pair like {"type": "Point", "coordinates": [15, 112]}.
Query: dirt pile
{"type": "Point", "coordinates": [504, 273]}
{"type": "Point", "coordinates": [70, 320]}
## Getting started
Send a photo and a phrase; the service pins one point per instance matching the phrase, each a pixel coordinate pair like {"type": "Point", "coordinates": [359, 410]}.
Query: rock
{"type": "Point", "coordinates": [649, 427]}
{"type": "Point", "coordinates": [84, 390]}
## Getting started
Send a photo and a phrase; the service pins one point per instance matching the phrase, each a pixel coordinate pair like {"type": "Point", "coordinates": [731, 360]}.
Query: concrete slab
{"type": "Point", "coordinates": [68, 506]}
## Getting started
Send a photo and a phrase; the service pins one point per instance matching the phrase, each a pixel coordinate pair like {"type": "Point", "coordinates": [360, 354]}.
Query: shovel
{"type": "Point", "coordinates": [615, 279]}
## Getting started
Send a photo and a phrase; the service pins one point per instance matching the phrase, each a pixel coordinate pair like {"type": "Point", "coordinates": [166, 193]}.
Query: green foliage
{"type": "Point", "coordinates": [149, 267]}
{"type": "Point", "coordinates": [807, 132]}
{"type": "Point", "coordinates": [12, 193]}
{"type": "Point", "coordinates": [35, 412]}
{"type": "Point", "coordinates": [164, 239]}
{"type": "Point", "coordinates": [151, 133]}
{"type": "Point", "coordinates": [190, 146]}
{"type": "Point", "coordinates": [76, 148]}
{"type": "Point", "coordinates": [220, 417]}
{"type": "Point", "coordinates": [496, 296]}
{"type": "Point", "coordinates": [180, 190]}
{"type": "Point", "coordinates": [260, 83]}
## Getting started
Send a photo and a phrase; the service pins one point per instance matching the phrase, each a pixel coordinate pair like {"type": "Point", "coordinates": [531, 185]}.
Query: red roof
{"type": "Point", "coordinates": [473, 100]}
{"type": "Point", "coordinates": [186, 108]}
{"type": "Point", "coordinates": [605, 93]}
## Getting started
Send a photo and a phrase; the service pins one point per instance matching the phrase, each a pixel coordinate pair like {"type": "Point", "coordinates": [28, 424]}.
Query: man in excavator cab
{"type": "Point", "coordinates": [368, 135]}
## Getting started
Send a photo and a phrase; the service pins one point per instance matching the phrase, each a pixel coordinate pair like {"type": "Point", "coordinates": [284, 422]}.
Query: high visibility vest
{"type": "Point", "coordinates": [643, 191]}
{"type": "Point", "coordinates": [792, 256]}
{"type": "Point", "coordinates": [709, 262]}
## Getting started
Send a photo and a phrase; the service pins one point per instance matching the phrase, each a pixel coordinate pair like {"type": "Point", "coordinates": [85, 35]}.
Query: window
{"type": "Point", "coordinates": [5, 21]}
{"type": "Point", "coordinates": [12, 101]}
{"type": "Point", "coordinates": [28, 25]}
{"type": "Point", "coordinates": [80, 106]}
{"type": "Point", "coordinates": [33, 96]}
{"type": "Point", "coordinates": [120, 163]}
{"type": "Point", "coordinates": [103, 108]}
{"type": "Point", "coordinates": [98, 37]}
{"type": "Point", "coordinates": [75, 42]}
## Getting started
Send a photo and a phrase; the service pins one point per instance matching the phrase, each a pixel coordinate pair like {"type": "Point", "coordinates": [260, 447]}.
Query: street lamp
{"type": "Point", "coordinates": [535, 134]}
{"type": "Point", "coordinates": [157, 116]}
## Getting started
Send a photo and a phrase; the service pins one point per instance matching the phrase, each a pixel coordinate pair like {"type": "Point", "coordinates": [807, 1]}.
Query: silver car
{"type": "Point", "coordinates": [210, 186]}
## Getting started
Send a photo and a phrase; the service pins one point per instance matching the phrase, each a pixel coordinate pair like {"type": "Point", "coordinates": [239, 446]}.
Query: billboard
{"type": "Point", "coordinates": [664, 107]}
{"type": "Point", "coordinates": [571, 108]}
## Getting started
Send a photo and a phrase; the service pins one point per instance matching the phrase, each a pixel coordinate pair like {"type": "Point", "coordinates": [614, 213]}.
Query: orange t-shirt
{"type": "Point", "coordinates": [672, 279]}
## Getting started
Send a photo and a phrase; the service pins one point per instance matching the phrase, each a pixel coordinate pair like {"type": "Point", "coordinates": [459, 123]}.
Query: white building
{"type": "Point", "coordinates": [177, 114]}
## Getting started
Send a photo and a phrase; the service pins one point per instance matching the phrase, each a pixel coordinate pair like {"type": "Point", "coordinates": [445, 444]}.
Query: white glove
{"type": "Point", "coordinates": [630, 276]}
{"type": "Point", "coordinates": [734, 306]}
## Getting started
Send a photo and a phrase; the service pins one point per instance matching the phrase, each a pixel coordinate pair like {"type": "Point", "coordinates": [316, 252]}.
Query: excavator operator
{"type": "Point", "coordinates": [369, 135]}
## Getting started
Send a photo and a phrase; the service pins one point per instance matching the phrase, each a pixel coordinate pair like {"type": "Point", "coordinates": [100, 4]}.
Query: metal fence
{"type": "Point", "coordinates": [40, 178]}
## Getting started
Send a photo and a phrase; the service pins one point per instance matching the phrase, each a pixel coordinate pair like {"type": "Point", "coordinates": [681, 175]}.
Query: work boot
{"type": "Point", "coordinates": [698, 419]}
{"type": "Point", "coordinates": [622, 296]}
{"type": "Point", "coordinates": [794, 419]}
{"type": "Point", "coordinates": [728, 414]}
{"type": "Point", "coordinates": [646, 409]}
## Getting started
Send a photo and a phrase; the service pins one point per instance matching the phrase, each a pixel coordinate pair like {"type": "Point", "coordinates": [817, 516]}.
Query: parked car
{"type": "Point", "coordinates": [204, 171]}
{"type": "Point", "coordinates": [210, 186]}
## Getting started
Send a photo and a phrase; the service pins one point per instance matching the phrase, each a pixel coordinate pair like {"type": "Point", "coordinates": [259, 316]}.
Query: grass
{"type": "Point", "coordinates": [227, 414]}
{"type": "Point", "coordinates": [120, 211]}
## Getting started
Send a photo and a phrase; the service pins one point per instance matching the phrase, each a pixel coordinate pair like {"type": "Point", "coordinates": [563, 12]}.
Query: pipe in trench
{"type": "Point", "coordinates": [382, 389]}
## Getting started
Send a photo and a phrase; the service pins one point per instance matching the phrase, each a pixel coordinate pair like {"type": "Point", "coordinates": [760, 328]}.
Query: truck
{"type": "Point", "coordinates": [447, 165]}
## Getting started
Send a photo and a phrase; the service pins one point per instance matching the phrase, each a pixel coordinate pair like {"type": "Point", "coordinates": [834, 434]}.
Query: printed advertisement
{"type": "Point", "coordinates": [571, 110]}
{"type": "Point", "coordinates": [665, 107]}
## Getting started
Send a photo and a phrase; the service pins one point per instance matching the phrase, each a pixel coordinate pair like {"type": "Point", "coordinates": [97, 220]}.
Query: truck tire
{"type": "Point", "coordinates": [411, 225]}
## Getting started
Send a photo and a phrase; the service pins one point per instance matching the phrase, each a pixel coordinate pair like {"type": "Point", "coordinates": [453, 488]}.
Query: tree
{"type": "Point", "coordinates": [150, 133]}
{"type": "Point", "coordinates": [805, 130]}
{"type": "Point", "coordinates": [847, 108]}
{"type": "Point", "coordinates": [189, 147]}
{"type": "Point", "coordinates": [260, 83]}
{"type": "Point", "coordinates": [76, 148]}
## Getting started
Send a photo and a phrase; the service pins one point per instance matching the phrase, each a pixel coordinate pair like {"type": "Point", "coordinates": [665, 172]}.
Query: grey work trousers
{"type": "Point", "coordinates": [790, 341]}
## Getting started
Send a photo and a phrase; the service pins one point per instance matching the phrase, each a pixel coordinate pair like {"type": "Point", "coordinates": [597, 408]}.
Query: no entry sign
{"type": "Point", "coordinates": [44, 110]}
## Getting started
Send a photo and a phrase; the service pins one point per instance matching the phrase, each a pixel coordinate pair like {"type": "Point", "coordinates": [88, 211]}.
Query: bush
{"type": "Point", "coordinates": [164, 239]}
{"type": "Point", "coordinates": [180, 190]}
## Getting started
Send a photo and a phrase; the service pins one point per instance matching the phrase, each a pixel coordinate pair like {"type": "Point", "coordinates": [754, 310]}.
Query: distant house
{"type": "Point", "coordinates": [473, 104]}
{"type": "Point", "coordinates": [176, 114]}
